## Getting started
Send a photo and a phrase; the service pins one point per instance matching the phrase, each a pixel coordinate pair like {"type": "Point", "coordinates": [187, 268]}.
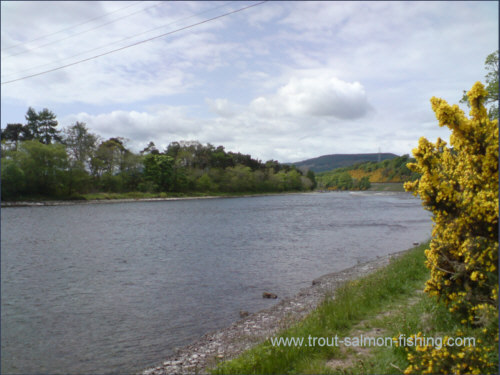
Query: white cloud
{"type": "Point", "coordinates": [283, 80]}
{"type": "Point", "coordinates": [157, 68]}
{"type": "Point", "coordinates": [221, 107]}
{"type": "Point", "coordinates": [321, 95]}
{"type": "Point", "coordinates": [162, 127]}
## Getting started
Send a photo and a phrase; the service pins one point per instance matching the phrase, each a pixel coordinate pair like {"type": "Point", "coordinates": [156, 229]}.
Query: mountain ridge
{"type": "Point", "coordinates": [332, 161]}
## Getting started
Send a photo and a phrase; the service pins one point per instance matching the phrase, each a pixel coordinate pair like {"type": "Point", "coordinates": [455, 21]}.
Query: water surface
{"type": "Point", "coordinates": [116, 287]}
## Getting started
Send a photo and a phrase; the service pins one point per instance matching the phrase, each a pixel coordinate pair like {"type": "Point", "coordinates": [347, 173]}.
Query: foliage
{"type": "Point", "coordinates": [365, 173]}
{"type": "Point", "coordinates": [312, 177]}
{"type": "Point", "coordinates": [459, 185]}
{"type": "Point", "coordinates": [13, 179]}
{"type": "Point", "coordinates": [328, 162]}
{"type": "Point", "coordinates": [35, 168]}
{"type": "Point", "coordinates": [12, 134]}
{"type": "Point", "coordinates": [80, 163]}
{"type": "Point", "coordinates": [158, 169]}
{"type": "Point", "coordinates": [80, 143]}
{"type": "Point", "coordinates": [491, 79]}
{"type": "Point", "coordinates": [41, 126]}
{"type": "Point", "coordinates": [354, 301]}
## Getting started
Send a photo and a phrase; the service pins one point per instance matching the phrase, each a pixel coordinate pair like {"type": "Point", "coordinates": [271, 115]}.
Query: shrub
{"type": "Point", "coordinates": [459, 185]}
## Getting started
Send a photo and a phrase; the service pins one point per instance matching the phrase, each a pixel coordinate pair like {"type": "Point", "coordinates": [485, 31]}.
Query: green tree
{"type": "Point", "coordinates": [13, 179]}
{"type": "Point", "coordinates": [131, 171]}
{"type": "Point", "coordinates": [80, 143]}
{"type": "Point", "coordinates": [150, 149]}
{"type": "Point", "coordinates": [219, 158]}
{"type": "Point", "coordinates": [277, 180]}
{"type": "Point", "coordinates": [44, 167]}
{"type": "Point", "coordinates": [491, 78]}
{"type": "Point", "coordinates": [109, 157]}
{"type": "Point", "coordinates": [205, 183]}
{"type": "Point", "coordinates": [364, 183]}
{"type": "Point", "coordinates": [41, 126]}
{"type": "Point", "coordinates": [239, 178]}
{"type": "Point", "coordinates": [293, 180]}
{"type": "Point", "coordinates": [492, 84]}
{"type": "Point", "coordinates": [158, 169]}
{"type": "Point", "coordinates": [81, 146]}
{"type": "Point", "coordinates": [12, 134]}
{"type": "Point", "coordinates": [311, 176]}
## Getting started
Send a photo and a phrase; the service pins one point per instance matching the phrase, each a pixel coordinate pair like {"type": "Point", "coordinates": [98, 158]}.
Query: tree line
{"type": "Point", "coordinates": [39, 160]}
{"type": "Point", "coordinates": [359, 176]}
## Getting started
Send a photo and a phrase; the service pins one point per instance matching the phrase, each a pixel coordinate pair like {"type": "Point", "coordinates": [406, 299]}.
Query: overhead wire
{"type": "Point", "coordinates": [137, 43]}
{"type": "Point", "coordinates": [82, 32]}
{"type": "Point", "coordinates": [70, 27]}
{"type": "Point", "coordinates": [121, 40]}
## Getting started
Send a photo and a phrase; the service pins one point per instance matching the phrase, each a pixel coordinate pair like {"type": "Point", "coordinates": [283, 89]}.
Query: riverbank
{"type": "Point", "coordinates": [125, 198]}
{"type": "Point", "coordinates": [110, 199]}
{"type": "Point", "coordinates": [244, 334]}
{"type": "Point", "coordinates": [387, 186]}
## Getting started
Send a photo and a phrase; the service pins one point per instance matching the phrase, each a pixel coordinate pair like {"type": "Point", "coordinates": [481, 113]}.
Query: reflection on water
{"type": "Point", "coordinates": [116, 287]}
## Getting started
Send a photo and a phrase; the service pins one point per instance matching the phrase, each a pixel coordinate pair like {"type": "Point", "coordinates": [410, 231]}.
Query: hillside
{"type": "Point", "coordinates": [392, 171]}
{"type": "Point", "coordinates": [329, 162]}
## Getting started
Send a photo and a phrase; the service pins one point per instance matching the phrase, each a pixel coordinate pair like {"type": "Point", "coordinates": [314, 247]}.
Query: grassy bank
{"type": "Point", "coordinates": [383, 304]}
{"type": "Point", "coordinates": [140, 195]}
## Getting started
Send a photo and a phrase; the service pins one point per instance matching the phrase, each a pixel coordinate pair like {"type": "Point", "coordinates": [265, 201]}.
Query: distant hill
{"type": "Point", "coordinates": [390, 170]}
{"type": "Point", "coordinates": [329, 162]}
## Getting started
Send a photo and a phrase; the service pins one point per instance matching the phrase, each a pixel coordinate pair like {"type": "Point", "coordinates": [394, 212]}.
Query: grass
{"type": "Point", "coordinates": [354, 301]}
{"type": "Point", "coordinates": [142, 195]}
{"type": "Point", "coordinates": [386, 303]}
{"type": "Point", "coordinates": [130, 195]}
{"type": "Point", "coordinates": [421, 314]}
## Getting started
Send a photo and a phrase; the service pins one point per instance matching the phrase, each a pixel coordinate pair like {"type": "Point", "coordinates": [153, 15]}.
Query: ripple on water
{"type": "Point", "coordinates": [100, 288]}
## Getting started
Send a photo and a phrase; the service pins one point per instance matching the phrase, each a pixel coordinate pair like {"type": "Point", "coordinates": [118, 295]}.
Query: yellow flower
{"type": "Point", "coordinates": [459, 186]}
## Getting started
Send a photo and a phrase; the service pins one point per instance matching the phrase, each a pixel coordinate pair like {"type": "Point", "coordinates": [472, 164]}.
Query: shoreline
{"type": "Point", "coordinates": [159, 199]}
{"type": "Point", "coordinates": [130, 200]}
{"type": "Point", "coordinates": [227, 343]}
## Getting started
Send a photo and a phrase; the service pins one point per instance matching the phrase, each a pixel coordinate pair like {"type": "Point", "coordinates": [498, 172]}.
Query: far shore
{"type": "Point", "coordinates": [128, 200]}
{"type": "Point", "coordinates": [382, 187]}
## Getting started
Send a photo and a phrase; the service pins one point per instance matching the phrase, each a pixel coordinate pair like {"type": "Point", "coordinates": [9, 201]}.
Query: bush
{"type": "Point", "coordinates": [459, 185]}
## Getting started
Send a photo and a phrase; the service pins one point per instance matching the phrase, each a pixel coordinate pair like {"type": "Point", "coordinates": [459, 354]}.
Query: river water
{"type": "Point", "coordinates": [102, 288]}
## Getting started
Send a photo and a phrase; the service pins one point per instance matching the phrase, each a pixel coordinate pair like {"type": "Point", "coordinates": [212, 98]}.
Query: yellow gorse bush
{"type": "Point", "coordinates": [459, 185]}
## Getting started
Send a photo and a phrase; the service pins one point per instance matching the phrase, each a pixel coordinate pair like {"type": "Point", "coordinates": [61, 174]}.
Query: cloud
{"type": "Point", "coordinates": [284, 80]}
{"type": "Point", "coordinates": [162, 67]}
{"type": "Point", "coordinates": [162, 126]}
{"type": "Point", "coordinates": [320, 95]}
{"type": "Point", "coordinates": [221, 107]}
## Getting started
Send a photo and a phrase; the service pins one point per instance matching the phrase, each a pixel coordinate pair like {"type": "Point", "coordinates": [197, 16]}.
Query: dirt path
{"type": "Point", "coordinates": [350, 356]}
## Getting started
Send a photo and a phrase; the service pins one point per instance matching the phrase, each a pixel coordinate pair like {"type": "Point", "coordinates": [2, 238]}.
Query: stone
{"type": "Point", "coordinates": [269, 295]}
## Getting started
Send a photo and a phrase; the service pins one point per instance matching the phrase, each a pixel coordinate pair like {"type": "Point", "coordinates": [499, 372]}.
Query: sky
{"type": "Point", "coordinates": [279, 80]}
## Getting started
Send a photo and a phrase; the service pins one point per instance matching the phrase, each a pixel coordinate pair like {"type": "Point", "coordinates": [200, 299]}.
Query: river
{"type": "Point", "coordinates": [102, 288]}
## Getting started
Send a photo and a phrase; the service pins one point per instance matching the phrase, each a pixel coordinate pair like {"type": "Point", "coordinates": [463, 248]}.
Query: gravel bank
{"type": "Point", "coordinates": [127, 200]}
{"type": "Point", "coordinates": [100, 201]}
{"type": "Point", "coordinates": [227, 343]}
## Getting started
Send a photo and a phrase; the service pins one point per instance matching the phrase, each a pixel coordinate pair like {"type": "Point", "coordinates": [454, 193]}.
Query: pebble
{"type": "Point", "coordinates": [227, 343]}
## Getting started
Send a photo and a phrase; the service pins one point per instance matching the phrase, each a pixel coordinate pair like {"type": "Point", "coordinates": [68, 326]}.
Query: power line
{"type": "Point", "coordinates": [137, 43]}
{"type": "Point", "coordinates": [82, 32]}
{"type": "Point", "coordinates": [121, 40]}
{"type": "Point", "coordinates": [70, 27]}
